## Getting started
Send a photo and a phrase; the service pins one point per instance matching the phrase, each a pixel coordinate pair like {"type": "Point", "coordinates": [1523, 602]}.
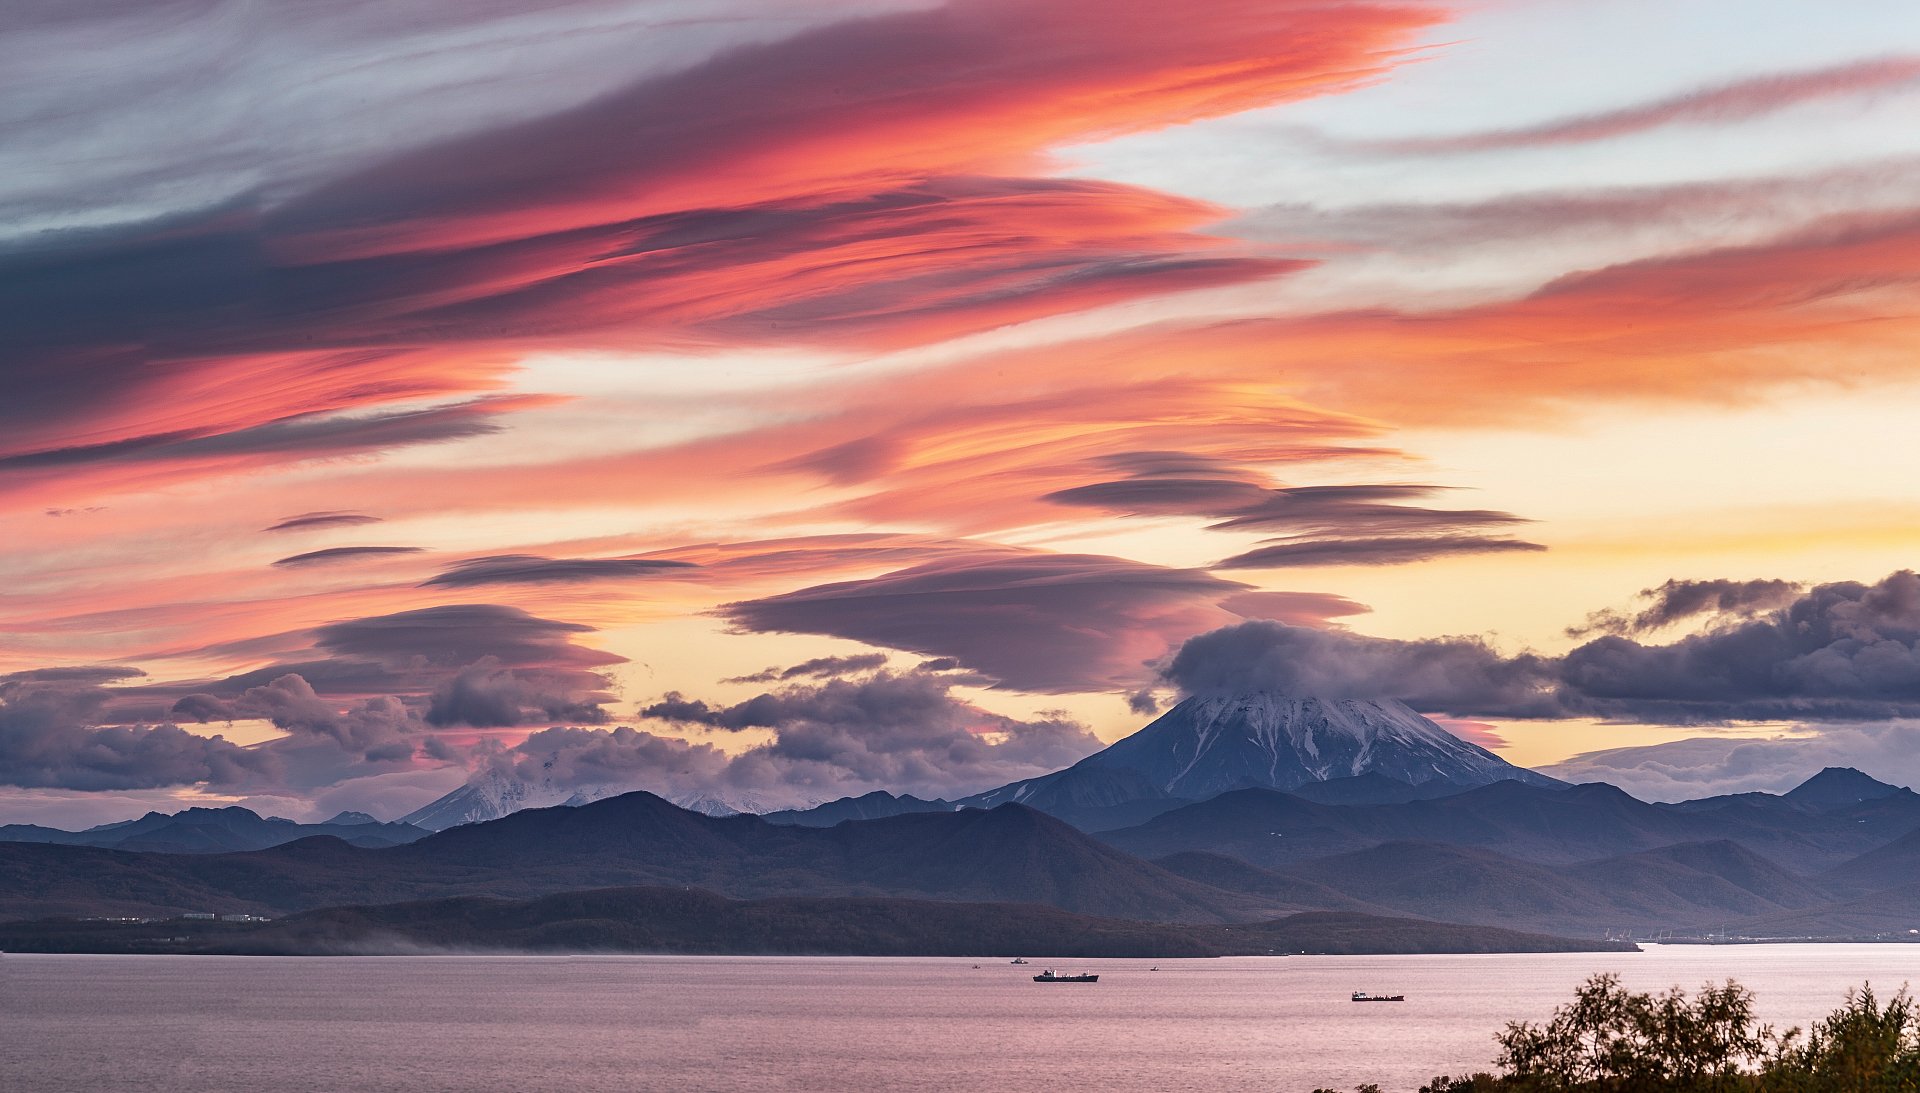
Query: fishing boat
{"type": "Point", "coordinates": [1363, 996]}
{"type": "Point", "coordinates": [1019, 960]}
{"type": "Point", "coordinates": [1049, 977]}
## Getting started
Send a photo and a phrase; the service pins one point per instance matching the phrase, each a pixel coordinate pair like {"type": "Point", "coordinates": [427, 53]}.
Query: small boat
{"type": "Point", "coordinates": [1363, 996]}
{"type": "Point", "coordinates": [1019, 960]}
{"type": "Point", "coordinates": [1048, 977]}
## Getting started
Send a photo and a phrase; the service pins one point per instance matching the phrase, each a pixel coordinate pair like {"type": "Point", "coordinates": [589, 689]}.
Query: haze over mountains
{"type": "Point", "coordinates": [1204, 746]}
{"type": "Point", "coordinates": [1225, 810]}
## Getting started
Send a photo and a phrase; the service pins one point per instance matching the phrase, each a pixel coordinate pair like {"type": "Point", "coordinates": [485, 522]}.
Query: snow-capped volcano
{"type": "Point", "coordinates": [1209, 744]}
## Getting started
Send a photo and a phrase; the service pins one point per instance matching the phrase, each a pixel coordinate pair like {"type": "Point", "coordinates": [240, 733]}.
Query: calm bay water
{"type": "Point", "coordinates": [418, 1024]}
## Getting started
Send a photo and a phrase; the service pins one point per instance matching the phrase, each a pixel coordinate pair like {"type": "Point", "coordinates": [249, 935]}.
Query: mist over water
{"type": "Point", "coordinates": [417, 1024]}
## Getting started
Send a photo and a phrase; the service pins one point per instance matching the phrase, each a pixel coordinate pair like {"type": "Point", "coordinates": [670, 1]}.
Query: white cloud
{"type": "Point", "coordinates": [1705, 766]}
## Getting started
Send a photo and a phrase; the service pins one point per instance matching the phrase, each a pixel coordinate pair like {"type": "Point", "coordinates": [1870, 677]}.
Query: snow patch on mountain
{"type": "Point", "coordinates": [491, 794]}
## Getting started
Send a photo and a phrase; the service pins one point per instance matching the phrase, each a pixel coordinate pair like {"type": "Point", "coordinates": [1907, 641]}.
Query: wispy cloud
{"type": "Point", "coordinates": [1736, 101]}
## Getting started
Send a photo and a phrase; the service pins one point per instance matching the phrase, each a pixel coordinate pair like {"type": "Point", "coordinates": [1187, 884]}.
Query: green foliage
{"type": "Point", "coordinates": [1611, 1040]}
{"type": "Point", "coordinates": [1860, 1048]}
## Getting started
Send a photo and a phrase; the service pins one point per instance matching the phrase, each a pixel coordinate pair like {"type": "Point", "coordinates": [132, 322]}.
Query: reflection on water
{"type": "Point", "coordinates": [208, 1024]}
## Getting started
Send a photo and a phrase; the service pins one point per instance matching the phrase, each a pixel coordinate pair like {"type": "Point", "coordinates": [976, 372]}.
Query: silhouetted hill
{"type": "Point", "coordinates": [682, 920]}
{"type": "Point", "coordinates": [1671, 888]}
{"type": "Point", "coordinates": [1703, 880]}
{"type": "Point", "coordinates": [214, 831]}
{"type": "Point", "coordinates": [1006, 854]}
{"type": "Point", "coordinates": [1088, 795]}
{"type": "Point", "coordinates": [1894, 864]}
{"type": "Point", "coordinates": [870, 806]}
{"type": "Point", "coordinates": [1680, 887]}
{"type": "Point", "coordinates": [1890, 914]}
{"type": "Point", "coordinates": [1259, 826]}
{"type": "Point", "coordinates": [1373, 788]}
{"type": "Point", "coordinates": [1340, 933]}
{"type": "Point", "coordinates": [1582, 859]}
{"type": "Point", "coordinates": [1838, 787]}
{"type": "Point", "coordinates": [1234, 875]}
{"type": "Point", "coordinates": [1579, 823]}
{"type": "Point", "coordinates": [690, 921]}
{"type": "Point", "coordinates": [1451, 883]}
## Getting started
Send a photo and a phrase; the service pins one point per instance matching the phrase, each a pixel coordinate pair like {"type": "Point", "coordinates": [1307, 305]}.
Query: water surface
{"type": "Point", "coordinates": [419, 1024]}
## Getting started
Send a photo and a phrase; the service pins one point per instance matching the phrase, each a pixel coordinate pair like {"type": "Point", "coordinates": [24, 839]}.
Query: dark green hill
{"type": "Point", "coordinates": [690, 921]}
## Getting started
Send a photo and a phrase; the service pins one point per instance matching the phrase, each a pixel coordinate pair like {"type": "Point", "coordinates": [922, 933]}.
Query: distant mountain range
{"type": "Point", "coordinates": [1010, 854]}
{"type": "Point", "coordinates": [1338, 751]}
{"type": "Point", "coordinates": [1204, 746]}
{"type": "Point", "coordinates": [492, 794]}
{"type": "Point", "coordinates": [1223, 812]}
{"type": "Point", "coordinates": [216, 831]}
{"type": "Point", "coordinates": [1585, 861]}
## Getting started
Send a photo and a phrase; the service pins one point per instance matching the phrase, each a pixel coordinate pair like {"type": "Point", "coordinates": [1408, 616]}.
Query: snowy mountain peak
{"type": "Point", "coordinates": [1209, 744]}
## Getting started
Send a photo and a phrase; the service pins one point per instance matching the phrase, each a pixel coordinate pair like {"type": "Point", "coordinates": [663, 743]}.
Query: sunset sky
{"type": "Point", "coordinates": [779, 401]}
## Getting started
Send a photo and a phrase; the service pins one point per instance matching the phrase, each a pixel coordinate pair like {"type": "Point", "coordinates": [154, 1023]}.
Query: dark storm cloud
{"type": "Point", "coordinates": [373, 727]}
{"type": "Point", "coordinates": [1839, 652]}
{"type": "Point", "coordinates": [487, 696]}
{"type": "Point", "coordinates": [1843, 651]}
{"type": "Point", "coordinates": [1296, 608]}
{"type": "Point", "coordinates": [1175, 483]}
{"type": "Point", "coordinates": [1039, 622]}
{"type": "Point", "coordinates": [343, 554]}
{"type": "Point", "coordinates": [79, 674]}
{"type": "Point", "coordinates": [1361, 524]}
{"type": "Point", "coordinates": [51, 736]}
{"type": "Point", "coordinates": [1162, 496]}
{"type": "Point", "coordinates": [534, 569]}
{"type": "Point", "coordinates": [314, 521]}
{"type": "Point", "coordinates": [366, 703]}
{"type": "Point", "coordinates": [1677, 600]}
{"type": "Point", "coordinates": [900, 731]}
{"type": "Point", "coordinates": [818, 667]}
{"type": "Point", "coordinates": [297, 436]}
{"type": "Point", "coordinates": [1357, 510]}
{"type": "Point", "coordinates": [1452, 675]}
{"type": "Point", "coordinates": [479, 665]}
{"type": "Point", "coordinates": [456, 635]}
{"type": "Point", "coordinates": [1313, 552]}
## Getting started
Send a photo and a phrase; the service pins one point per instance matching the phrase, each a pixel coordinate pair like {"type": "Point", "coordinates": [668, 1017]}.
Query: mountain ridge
{"type": "Point", "coordinates": [202, 830]}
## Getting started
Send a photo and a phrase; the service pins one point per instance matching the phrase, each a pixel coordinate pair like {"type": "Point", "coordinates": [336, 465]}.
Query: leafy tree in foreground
{"type": "Point", "coordinates": [1611, 1040]}
{"type": "Point", "coordinates": [1861, 1047]}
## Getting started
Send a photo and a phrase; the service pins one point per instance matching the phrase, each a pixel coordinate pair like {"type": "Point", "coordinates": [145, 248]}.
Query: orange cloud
{"type": "Point", "coordinates": [748, 198]}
